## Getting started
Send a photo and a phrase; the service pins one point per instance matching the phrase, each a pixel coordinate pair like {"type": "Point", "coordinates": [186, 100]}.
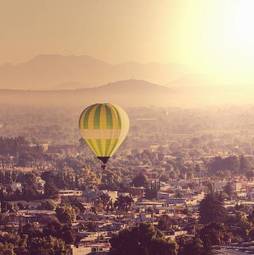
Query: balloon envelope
{"type": "Point", "coordinates": [104, 127]}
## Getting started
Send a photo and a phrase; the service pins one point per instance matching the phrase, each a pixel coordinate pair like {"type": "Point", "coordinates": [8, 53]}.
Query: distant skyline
{"type": "Point", "coordinates": [208, 36]}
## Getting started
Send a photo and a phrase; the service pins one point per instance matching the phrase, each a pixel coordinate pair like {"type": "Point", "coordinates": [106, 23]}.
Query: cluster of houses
{"type": "Point", "coordinates": [183, 209]}
{"type": "Point", "coordinates": [177, 198]}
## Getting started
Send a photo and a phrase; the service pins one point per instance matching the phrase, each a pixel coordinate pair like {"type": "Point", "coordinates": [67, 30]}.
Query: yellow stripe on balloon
{"type": "Point", "coordinates": [103, 118]}
{"type": "Point", "coordinates": [113, 146]}
{"type": "Point", "coordinates": [92, 145]}
{"type": "Point", "coordinates": [115, 118]}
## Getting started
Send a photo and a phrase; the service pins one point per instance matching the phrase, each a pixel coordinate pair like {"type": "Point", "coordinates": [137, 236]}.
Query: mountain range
{"type": "Point", "coordinates": [51, 72]}
{"type": "Point", "coordinates": [55, 80]}
{"type": "Point", "coordinates": [126, 93]}
{"type": "Point", "coordinates": [132, 93]}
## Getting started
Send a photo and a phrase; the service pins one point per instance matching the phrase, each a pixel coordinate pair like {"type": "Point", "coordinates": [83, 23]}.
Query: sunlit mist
{"type": "Point", "coordinates": [171, 43]}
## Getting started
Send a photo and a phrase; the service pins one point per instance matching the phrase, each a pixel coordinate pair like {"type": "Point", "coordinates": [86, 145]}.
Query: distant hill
{"type": "Point", "coordinates": [49, 72]}
{"type": "Point", "coordinates": [126, 93]}
{"type": "Point", "coordinates": [133, 93]}
{"type": "Point", "coordinates": [183, 91]}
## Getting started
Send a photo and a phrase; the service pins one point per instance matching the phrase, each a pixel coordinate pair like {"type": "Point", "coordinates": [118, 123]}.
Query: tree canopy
{"type": "Point", "coordinates": [211, 209]}
{"type": "Point", "coordinates": [144, 239]}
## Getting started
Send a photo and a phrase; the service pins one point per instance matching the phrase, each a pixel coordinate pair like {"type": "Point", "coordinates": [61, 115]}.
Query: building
{"type": "Point", "coordinates": [70, 193]}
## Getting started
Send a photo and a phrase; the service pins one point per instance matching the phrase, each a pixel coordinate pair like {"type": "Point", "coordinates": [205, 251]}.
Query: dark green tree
{"type": "Point", "coordinates": [139, 180]}
{"type": "Point", "coordinates": [46, 245]}
{"type": "Point", "coordinates": [50, 190]}
{"type": "Point", "coordinates": [211, 209]}
{"type": "Point", "coordinates": [245, 164]}
{"type": "Point", "coordinates": [65, 214]}
{"type": "Point", "coordinates": [144, 239]}
{"type": "Point", "coordinates": [165, 223]}
{"type": "Point", "coordinates": [195, 246]}
{"type": "Point", "coordinates": [229, 190]}
{"type": "Point", "coordinates": [214, 234]}
{"type": "Point", "coordinates": [123, 203]}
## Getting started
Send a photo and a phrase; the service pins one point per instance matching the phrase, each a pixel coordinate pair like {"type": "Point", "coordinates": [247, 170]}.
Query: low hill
{"type": "Point", "coordinates": [127, 93]}
{"type": "Point", "coordinates": [49, 72]}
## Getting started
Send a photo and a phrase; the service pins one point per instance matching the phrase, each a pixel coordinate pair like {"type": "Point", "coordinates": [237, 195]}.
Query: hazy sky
{"type": "Point", "coordinates": [114, 30]}
{"type": "Point", "coordinates": [207, 35]}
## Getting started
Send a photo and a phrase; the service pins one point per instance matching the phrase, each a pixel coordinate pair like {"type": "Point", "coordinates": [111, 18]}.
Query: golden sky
{"type": "Point", "coordinates": [209, 36]}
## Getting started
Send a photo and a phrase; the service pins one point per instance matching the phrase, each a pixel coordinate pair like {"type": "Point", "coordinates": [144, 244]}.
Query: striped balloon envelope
{"type": "Point", "coordinates": [104, 128]}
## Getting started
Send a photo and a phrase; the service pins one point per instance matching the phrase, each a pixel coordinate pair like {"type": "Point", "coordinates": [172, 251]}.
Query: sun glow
{"type": "Point", "coordinates": [218, 37]}
{"type": "Point", "coordinates": [239, 28]}
{"type": "Point", "coordinates": [236, 46]}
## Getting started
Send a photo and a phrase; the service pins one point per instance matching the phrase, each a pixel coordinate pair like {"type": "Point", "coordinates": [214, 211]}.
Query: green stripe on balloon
{"type": "Point", "coordinates": [97, 117]}
{"type": "Point", "coordinates": [109, 117]}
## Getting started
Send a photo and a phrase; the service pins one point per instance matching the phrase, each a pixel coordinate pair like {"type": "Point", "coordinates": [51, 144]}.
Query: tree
{"type": "Point", "coordinates": [229, 190]}
{"type": "Point", "coordinates": [123, 203]}
{"type": "Point", "coordinates": [24, 159]}
{"type": "Point", "coordinates": [251, 234]}
{"type": "Point", "coordinates": [67, 235]}
{"type": "Point", "coordinates": [218, 164]}
{"type": "Point", "coordinates": [249, 174]}
{"type": "Point", "coordinates": [105, 200]}
{"type": "Point", "coordinates": [47, 245]}
{"type": "Point", "coordinates": [165, 223]}
{"type": "Point", "coordinates": [232, 163]}
{"type": "Point", "coordinates": [58, 230]}
{"type": "Point", "coordinates": [30, 192]}
{"type": "Point", "coordinates": [110, 180]}
{"type": "Point", "coordinates": [47, 205]}
{"type": "Point", "coordinates": [215, 165]}
{"type": "Point", "coordinates": [211, 209]}
{"type": "Point", "coordinates": [214, 234]}
{"type": "Point", "coordinates": [50, 190]}
{"type": "Point", "coordinates": [91, 226]}
{"type": "Point", "coordinates": [245, 165]}
{"type": "Point", "coordinates": [195, 246]}
{"type": "Point", "coordinates": [90, 177]}
{"type": "Point", "coordinates": [3, 218]}
{"type": "Point", "coordinates": [78, 206]}
{"type": "Point", "coordinates": [241, 223]}
{"type": "Point", "coordinates": [65, 214]}
{"type": "Point", "coordinates": [30, 179]}
{"type": "Point", "coordinates": [139, 180]}
{"type": "Point", "coordinates": [6, 249]}
{"type": "Point", "coordinates": [52, 229]}
{"type": "Point", "coordinates": [164, 178]}
{"type": "Point", "coordinates": [144, 239]}
{"type": "Point", "coordinates": [251, 217]}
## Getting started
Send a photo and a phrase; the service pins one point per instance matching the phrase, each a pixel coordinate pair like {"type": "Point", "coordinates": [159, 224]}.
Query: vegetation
{"type": "Point", "coordinates": [211, 209]}
{"type": "Point", "coordinates": [51, 240]}
{"type": "Point", "coordinates": [172, 153]}
{"type": "Point", "coordinates": [144, 239]}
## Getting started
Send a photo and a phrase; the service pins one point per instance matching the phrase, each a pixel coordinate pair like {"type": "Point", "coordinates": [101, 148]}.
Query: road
{"type": "Point", "coordinates": [224, 251]}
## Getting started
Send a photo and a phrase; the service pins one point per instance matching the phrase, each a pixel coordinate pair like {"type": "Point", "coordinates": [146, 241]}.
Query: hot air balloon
{"type": "Point", "coordinates": [104, 127]}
